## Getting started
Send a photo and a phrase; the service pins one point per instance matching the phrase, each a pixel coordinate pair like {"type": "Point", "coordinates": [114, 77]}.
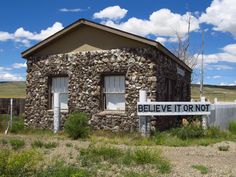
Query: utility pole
{"type": "Point", "coordinates": [202, 67]}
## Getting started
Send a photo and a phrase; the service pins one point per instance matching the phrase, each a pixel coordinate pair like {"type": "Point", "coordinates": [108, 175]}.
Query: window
{"type": "Point", "coordinates": [114, 92]}
{"type": "Point", "coordinates": [170, 89]}
{"type": "Point", "coordinates": [60, 85]}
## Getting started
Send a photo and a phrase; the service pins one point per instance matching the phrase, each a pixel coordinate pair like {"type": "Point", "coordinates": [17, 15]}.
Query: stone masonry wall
{"type": "Point", "coordinates": [143, 69]}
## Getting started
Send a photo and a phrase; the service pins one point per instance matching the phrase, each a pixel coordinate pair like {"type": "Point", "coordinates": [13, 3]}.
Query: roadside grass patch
{"type": "Point", "coordinates": [232, 127]}
{"type": "Point", "coordinates": [60, 169]}
{"type": "Point", "coordinates": [17, 164]}
{"type": "Point", "coordinates": [50, 145]}
{"type": "Point", "coordinates": [201, 168]}
{"type": "Point", "coordinates": [69, 145]}
{"type": "Point", "coordinates": [37, 144]}
{"type": "Point", "coordinates": [135, 174]}
{"type": "Point", "coordinates": [4, 142]}
{"type": "Point", "coordinates": [17, 143]}
{"type": "Point", "coordinates": [95, 155]}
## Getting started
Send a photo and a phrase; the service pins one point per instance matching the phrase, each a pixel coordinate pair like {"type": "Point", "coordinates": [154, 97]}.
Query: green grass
{"type": "Point", "coordinates": [37, 144]}
{"type": "Point", "coordinates": [201, 168]}
{"type": "Point", "coordinates": [17, 143]}
{"type": "Point", "coordinates": [50, 145]}
{"type": "Point", "coordinates": [223, 93]}
{"type": "Point", "coordinates": [167, 138]}
{"type": "Point", "coordinates": [12, 89]}
{"type": "Point", "coordinates": [95, 155]}
{"type": "Point", "coordinates": [232, 127]}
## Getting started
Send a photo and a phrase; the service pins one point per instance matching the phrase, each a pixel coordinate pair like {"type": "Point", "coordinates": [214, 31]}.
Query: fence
{"type": "Point", "coordinates": [17, 108]}
{"type": "Point", "coordinates": [222, 113]}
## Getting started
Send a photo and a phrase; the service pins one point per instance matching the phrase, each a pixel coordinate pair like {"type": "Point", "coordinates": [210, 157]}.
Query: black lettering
{"type": "Point", "coordinates": [157, 108]}
{"type": "Point", "coordinates": [190, 108]}
{"type": "Point", "coordinates": [185, 108]}
{"type": "Point", "coordinates": [140, 108]}
{"type": "Point", "coordinates": [203, 107]}
{"type": "Point", "coordinates": [198, 108]}
{"type": "Point", "coordinates": [146, 108]}
{"type": "Point", "coordinates": [169, 108]}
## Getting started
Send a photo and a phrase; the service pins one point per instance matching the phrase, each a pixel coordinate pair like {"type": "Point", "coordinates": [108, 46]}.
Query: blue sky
{"type": "Point", "coordinates": [26, 22]}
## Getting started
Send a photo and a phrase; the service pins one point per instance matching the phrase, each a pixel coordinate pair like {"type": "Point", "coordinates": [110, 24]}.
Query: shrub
{"type": "Point", "coordinates": [37, 144]}
{"type": "Point", "coordinates": [232, 127]}
{"type": "Point", "coordinates": [215, 132]}
{"type": "Point", "coordinates": [59, 169]}
{"type": "Point", "coordinates": [17, 164]}
{"type": "Point", "coordinates": [189, 131]}
{"type": "Point", "coordinates": [76, 126]}
{"type": "Point", "coordinates": [17, 143]}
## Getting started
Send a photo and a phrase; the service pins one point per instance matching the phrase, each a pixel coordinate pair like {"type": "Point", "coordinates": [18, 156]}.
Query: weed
{"type": "Point", "coordinates": [69, 145]}
{"type": "Point", "coordinates": [201, 168]}
{"type": "Point", "coordinates": [135, 174]}
{"type": "Point", "coordinates": [17, 125]}
{"type": "Point", "coordinates": [50, 145]}
{"type": "Point", "coordinates": [223, 148]}
{"type": "Point", "coordinates": [17, 164]}
{"type": "Point", "coordinates": [37, 144]}
{"type": "Point", "coordinates": [59, 169]}
{"type": "Point", "coordinates": [76, 126]}
{"type": "Point", "coordinates": [17, 143]}
{"type": "Point", "coordinates": [4, 141]}
{"type": "Point", "coordinates": [232, 127]}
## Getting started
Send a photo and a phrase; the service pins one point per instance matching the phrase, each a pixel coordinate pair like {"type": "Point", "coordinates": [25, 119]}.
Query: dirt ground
{"type": "Point", "coordinates": [219, 163]}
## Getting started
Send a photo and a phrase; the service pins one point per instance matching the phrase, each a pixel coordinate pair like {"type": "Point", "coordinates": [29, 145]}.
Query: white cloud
{"type": "Point", "coordinates": [10, 77]}
{"type": "Point", "coordinates": [161, 23]}
{"type": "Point", "coordinates": [19, 65]}
{"type": "Point", "coordinates": [5, 36]}
{"type": "Point", "coordinates": [71, 10]}
{"type": "Point", "coordinates": [228, 54]}
{"type": "Point", "coordinates": [213, 77]}
{"type": "Point", "coordinates": [221, 14]}
{"type": "Point", "coordinates": [112, 13]}
{"type": "Point", "coordinates": [161, 39]}
{"type": "Point", "coordinates": [219, 67]}
{"type": "Point", "coordinates": [24, 37]}
{"type": "Point", "coordinates": [228, 84]}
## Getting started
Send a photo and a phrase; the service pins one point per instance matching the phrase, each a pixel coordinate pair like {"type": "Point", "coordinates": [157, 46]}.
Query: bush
{"type": "Point", "coordinates": [232, 127]}
{"type": "Point", "coordinates": [189, 131]}
{"type": "Point", "coordinates": [76, 126]}
{"type": "Point", "coordinates": [17, 144]}
{"type": "Point", "coordinates": [17, 164]}
{"type": "Point", "coordinates": [215, 132]}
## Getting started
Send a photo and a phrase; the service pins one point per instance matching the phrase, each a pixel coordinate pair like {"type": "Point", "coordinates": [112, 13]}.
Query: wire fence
{"type": "Point", "coordinates": [10, 110]}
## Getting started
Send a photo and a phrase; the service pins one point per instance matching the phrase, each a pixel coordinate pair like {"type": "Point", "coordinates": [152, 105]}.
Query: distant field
{"type": "Point", "coordinates": [223, 93]}
{"type": "Point", "coordinates": [12, 89]}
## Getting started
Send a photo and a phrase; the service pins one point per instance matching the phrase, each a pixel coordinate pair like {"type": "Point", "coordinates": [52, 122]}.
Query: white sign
{"type": "Point", "coordinates": [173, 108]}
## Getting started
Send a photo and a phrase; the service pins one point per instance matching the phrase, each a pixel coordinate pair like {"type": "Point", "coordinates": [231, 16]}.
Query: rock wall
{"type": "Point", "coordinates": [143, 69]}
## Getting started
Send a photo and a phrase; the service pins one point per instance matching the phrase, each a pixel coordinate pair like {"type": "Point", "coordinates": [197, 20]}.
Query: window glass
{"type": "Point", "coordinates": [114, 92]}
{"type": "Point", "coordinates": [60, 85]}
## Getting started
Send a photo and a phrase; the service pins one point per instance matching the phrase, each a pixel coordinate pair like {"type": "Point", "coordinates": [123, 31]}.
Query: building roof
{"type": "Point", "coordinates": [29, 52]}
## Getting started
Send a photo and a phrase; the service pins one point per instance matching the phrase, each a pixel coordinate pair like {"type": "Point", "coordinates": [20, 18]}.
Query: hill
{"type": "Point", "coordinates": [12, 89]}
{"type": "Point", "coordinates": [223, 93]}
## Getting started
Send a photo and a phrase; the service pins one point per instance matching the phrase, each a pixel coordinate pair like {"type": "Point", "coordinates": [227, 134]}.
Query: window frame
{"type": "Point", "coordinates": [50, 94]}
{"type": "Point", "coordinates": [103, 93]}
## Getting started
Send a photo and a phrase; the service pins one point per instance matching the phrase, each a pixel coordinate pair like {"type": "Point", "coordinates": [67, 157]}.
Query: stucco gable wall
{"type": "Point", "coordinates": [86, 38]}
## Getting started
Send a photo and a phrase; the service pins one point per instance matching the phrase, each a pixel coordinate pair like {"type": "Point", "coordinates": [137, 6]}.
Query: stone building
{"type": "Point", "coordinates": [100, 70]}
